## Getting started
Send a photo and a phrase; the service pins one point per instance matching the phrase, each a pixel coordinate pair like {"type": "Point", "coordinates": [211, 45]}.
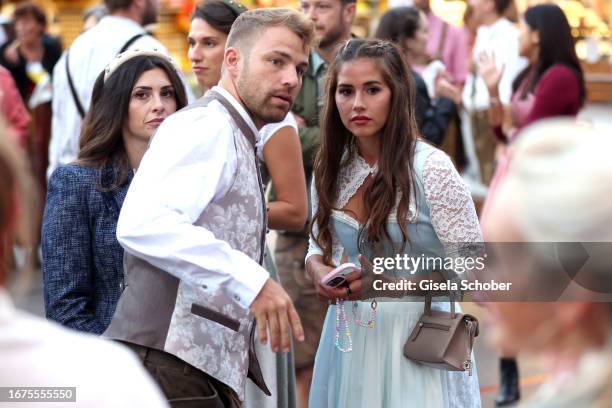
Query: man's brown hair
{"type": "Point", "coordinates": [250, 23]}
{"type": "Point", "coordinates": [114, 5]}
{"type": "Point", "coordinates": [502, 5]}
{"type": "Point", "coordinates": [30, 9]}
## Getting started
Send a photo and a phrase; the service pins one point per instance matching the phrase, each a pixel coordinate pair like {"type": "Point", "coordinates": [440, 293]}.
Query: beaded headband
{"type": "Point", "coordinates": [129, 54]}
{"type": "Point", "coordinates": [236, 7]}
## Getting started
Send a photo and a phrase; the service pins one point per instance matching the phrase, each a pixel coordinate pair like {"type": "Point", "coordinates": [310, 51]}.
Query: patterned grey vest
{"type": "Point", "coordinates": [160, 311]}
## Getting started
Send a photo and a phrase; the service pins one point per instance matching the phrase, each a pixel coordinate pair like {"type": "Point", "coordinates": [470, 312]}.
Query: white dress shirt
{"type": "Point", "coordinates": [191, 161]}
{"type": "Point", "coordinates": [502, 40]}
{"type": "Point", "coordinates": [89, 55]}
{"type": "Point", "coordinates": [38, 353]}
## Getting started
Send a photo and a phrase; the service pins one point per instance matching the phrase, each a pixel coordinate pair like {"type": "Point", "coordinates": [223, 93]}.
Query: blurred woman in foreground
{"type": "Point", "coordinates": [34, 351]}
{"type": "Point", "coordinates": [557, 189]}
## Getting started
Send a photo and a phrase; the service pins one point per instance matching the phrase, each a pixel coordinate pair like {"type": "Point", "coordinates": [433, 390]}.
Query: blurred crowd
{"type": "Point", "coordinates": [482, 116]}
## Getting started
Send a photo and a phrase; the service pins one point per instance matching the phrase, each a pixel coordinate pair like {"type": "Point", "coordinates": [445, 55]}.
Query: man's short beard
{"type": "Point", "coordinates": [268, 117]}
{"type": "Point", "coordinates": [257, 108]}
{"type": "Point", "coordinates": [332, 37]}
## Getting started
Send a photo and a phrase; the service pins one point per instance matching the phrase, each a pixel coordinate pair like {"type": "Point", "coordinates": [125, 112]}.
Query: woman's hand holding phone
{"type": "Point", "coordinates": [343, 282]}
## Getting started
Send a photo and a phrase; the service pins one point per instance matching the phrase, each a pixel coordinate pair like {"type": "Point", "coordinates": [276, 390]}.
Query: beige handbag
{"type": "Point", "coordinates": [443, 340]}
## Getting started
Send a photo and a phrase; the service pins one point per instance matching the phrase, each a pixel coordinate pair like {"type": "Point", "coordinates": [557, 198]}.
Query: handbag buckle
{"type": "Point", "coordinates": [467, 366]}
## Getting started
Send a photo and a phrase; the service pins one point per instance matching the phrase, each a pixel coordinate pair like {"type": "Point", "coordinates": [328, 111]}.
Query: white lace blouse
{"type": "Point", "coordinates": [452, 211]}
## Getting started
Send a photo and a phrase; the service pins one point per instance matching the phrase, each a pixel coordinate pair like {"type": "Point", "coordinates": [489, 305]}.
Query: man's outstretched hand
{"type": "Point", "coordinates": [275, 313]}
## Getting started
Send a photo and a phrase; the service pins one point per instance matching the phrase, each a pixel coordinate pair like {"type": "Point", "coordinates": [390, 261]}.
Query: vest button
{"type": "Point", "coordinates": [121, 286]}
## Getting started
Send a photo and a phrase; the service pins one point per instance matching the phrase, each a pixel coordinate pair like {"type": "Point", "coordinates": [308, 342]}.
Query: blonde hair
{"type": "Point", "coordinates": [248, 26]}
{"type": "Point", "coordinates": [561, 175]}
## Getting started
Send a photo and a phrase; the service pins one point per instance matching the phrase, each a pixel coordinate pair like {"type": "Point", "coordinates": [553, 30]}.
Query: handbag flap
{"type": "Point", "coordinates": [439, 317]}
{"type": "Point", "coordinates": [435, 339]}
{"type": "Point", "coordinates": [431, 336]}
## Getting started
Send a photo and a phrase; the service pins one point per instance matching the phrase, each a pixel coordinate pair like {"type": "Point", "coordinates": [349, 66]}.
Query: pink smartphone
{"type": "Point", "coordinates": [337, 277]}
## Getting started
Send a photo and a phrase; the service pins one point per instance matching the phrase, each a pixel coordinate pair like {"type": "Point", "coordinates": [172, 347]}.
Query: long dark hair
{"type": "Point", "coordinates": [219, 14]}
{"type": "Point", "coordinates": [397, 141]}
{"type": "Point", "coordinates": [556, 47]}
{"type": "Point", "coordinates": [101, 141]}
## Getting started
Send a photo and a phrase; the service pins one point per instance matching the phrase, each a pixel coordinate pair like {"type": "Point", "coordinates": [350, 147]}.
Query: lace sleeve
{"type": "Point", "coordinates": [452, 210]}
{"type": "Point", "coordinates": [452, 214]}
{"type": "Point", "coordinates": [313, 248]}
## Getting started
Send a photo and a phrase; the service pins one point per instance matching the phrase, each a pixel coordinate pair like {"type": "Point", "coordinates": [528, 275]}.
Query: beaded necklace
{"type": "Point", "coordinates": [342, 317]}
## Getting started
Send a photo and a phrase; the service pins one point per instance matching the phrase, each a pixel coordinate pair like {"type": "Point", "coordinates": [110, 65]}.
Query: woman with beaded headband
{"type": "Point", "coordinates": [82, 260]}
{"type": "Point", "coordinates": [379, 190]}
{"type": "Point", "coordinates": [279, 148]}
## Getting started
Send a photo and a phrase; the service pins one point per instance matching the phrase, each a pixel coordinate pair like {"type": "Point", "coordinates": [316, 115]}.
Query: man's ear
{"type": "Point", "coordinates": [231, 60]}
{"type": "Point", "coordinates": [349, 12]}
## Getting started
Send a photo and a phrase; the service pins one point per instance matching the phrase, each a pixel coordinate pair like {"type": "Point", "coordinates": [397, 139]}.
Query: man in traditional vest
{"type": "Point", "coordinates": [193, 224]}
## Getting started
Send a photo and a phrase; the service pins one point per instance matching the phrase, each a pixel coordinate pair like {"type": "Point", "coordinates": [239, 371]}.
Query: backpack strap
{"type": "Point", "coordinates": [133, 40]}
{"type": "Point", "coordinates": [73, 92]}
{"type": "Point", "coordinates": [442, 42]}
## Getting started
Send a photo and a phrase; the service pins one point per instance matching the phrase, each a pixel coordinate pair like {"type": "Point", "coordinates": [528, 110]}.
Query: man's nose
{"type": "Point", "coordinates": [311, 13]}
{"type": "Point", "coordinates": [291, 79]}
